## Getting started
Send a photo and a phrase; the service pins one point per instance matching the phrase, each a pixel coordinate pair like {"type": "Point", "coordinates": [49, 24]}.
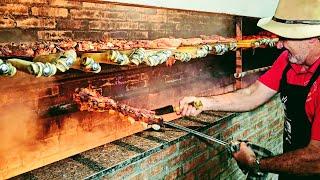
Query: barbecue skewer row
{"type": "Point", "coordinates": [68, 59]}
{"type": "Point", "coordinates": [156, 57]}
{"type": "Point", "coordinates": [87, 64]}
{"type": "Point", "coordinates": [63, 60]}
{"type": "Point", "coordinates": [35, 68]}
{"type": "Point", "coordinates": [45, 48]}
{"type": "Point", "coordinates": [243, 74]}
{"type": "Point", "coordinates": [255, 43]}
{"type": "Point", "coordinates": [90, 100]}
{"type": "Point", "coordinates": [6, 69]}
{"type": "Point", "coordinates": [131, 57]}
{"type": "Point", "coordinates": [265, 42]}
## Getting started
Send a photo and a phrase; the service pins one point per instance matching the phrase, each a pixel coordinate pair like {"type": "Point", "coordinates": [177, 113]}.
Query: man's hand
{"type": "Point", "coordinates": [245, 156]}
{"type": "Point", "coordinates": [186, 107]}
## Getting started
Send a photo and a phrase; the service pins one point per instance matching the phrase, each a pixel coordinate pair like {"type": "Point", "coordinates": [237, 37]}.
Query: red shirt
{"type": "Point", "coordinates": [298, 75]}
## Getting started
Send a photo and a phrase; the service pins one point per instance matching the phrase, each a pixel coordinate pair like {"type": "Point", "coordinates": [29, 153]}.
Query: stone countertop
{"type": "Point", "coordinates": [110, 157]}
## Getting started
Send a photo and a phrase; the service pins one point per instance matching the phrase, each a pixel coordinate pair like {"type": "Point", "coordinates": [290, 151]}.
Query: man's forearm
{"type": "Point", "coordinates": [241, 100]}
{"type": "Point", "coordinates": [229, 102]}
{"type": "Point", "coordinates": [304, 161]}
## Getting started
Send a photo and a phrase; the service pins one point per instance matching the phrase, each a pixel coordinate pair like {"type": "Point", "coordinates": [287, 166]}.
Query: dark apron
{"type": "Point", "coordinates": [297, 127]}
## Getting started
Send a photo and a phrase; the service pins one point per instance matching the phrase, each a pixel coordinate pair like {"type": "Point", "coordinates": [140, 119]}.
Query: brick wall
{"type": "Point", "coordinates": [25, 98]}
{"type": "Point", "coordinates": [26, 20]}
{"type": "Point", "coordinates": [191, 158]}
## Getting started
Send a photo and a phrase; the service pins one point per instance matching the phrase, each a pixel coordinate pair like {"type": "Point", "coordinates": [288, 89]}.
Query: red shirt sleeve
{"type": "Point", "coordinates": [315, 130]}
{"type": "Point", "coordinates": [273, 76]}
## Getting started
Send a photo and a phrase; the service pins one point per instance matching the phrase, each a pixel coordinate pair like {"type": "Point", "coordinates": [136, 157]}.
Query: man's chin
{"type": "Point", "coordinates": [295, 62]}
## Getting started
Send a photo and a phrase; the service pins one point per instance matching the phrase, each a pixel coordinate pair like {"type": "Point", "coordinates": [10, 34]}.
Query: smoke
{"type": "Point", "coordinates": [18, 132]}
{"type": "Point", "coordinates": [17, 126]}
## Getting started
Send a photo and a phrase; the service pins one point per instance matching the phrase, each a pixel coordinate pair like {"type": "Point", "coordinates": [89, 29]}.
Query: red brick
{"type": "Point", "coordinates": [7, 23]}
{"type": "Point", "coordinates": [140, 176]}
{"type": "Point", "coordinates": [136, 85]}
{"type": "Point", "coordinates": [228, 132]}
{"type": "Point", "coordinates": [124, 172]}
{"type": "Point", "coordinates": [120, 7]}
{"type": "Point", "coordinates": [15, 9]}
{"type": "Point", "coordinates": [138, 35]}
{"type": "Point", "coordinates": [89, 5]}
{"type": "Point", "coordinates": [55, 90]}
{"type": "Point", "coordinates": [103, 25]}
{"type": "Point", "coordinates": [125, 25]}
{"type": "Point", "coordinates": [54, 35]}
{"type": "Point", "coordinates": [117, 34]}
{"type": "Point", "coordinates": [65, 3]}
{"type": "Point", "coordinates": [36, 23]}
{"type": "Point", "coordinates": [88, 14]}
{"type": "Point", "coordinates": [51, 12]}
{"type": "Point", "coordinates": [185, 144]}
{"type": "Point", "coordinates": [99, 25]}
{"type": "Point", "coordinates": [183, 157]}
{"type": "Point", "coordinates": [172, 78]}
{"type": "Point", "coordinates": [176, 18]}
{"type": "Point", "coordinates": [173, 174]}
{"type": "Point", "coordinates": [159, 156]}
{"type": "Point", "coordinates": [190, 176]}
{"type": "Point", "coordinates": [133, 17]}
{"type": "Point", "coordinates": [88, 35]}
{"type": "Point", "coordinates": [161, 34]}
{"type": "Point", "coordinates": [154, 18]}
{"type": "Point", "coordinates": [71, 24]}
{"type": "Point", "coordinates": [162, 11]}
{"type": "Point", "coordinates": [195, 162]}
{"type": "Point", "coordinates": [154, 171]}
{"type": "Point", "coordinates": [208, 167]}
{"type": "Point", "coordinates": [117, 16]}
{"type": "Point", "coordinates": [148, 10]}
{"type": "Point", "coordinates": [32, 1]}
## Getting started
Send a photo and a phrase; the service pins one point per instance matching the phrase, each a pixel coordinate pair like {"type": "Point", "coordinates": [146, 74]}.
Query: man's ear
{"type": "Point", "coordinates": [314, 40]}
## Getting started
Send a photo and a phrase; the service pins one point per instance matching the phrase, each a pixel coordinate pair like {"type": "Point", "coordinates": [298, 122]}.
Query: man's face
{"type": "Point", "coordinates": [298, 49]}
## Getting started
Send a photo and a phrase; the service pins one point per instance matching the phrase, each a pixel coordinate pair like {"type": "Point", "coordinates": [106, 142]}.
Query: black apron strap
{"type": "Point", "coordinates": [314, 77]}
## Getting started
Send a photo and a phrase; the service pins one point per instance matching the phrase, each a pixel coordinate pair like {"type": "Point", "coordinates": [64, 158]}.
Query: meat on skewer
{"type": "Point", "coordinates": [90, 100]}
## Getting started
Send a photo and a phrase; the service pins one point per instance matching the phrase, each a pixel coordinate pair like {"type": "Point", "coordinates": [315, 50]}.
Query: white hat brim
{"type": "Point", "coordinates": [294, 31]}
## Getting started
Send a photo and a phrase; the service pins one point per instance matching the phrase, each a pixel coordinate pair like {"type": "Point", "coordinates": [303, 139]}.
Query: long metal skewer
{"type": "Point", "coordinates": [195, 133]}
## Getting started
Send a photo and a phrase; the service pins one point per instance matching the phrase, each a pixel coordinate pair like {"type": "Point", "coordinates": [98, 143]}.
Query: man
{"type": "Point", "coordinates": [295, 74]}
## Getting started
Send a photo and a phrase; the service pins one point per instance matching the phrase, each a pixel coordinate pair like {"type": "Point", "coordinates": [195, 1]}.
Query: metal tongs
{"type": "Point", "coordinates": [232, 147]}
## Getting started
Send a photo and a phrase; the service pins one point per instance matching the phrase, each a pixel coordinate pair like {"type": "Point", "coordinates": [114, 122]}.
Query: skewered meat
{"type": "Point", "coordinates": [90, 100]}
{"type": "Point", "coordinates": [215, 39]}
{"type": "Point", "coordinates": [191, 41]}
{"type": "Point", "coordinates": [67, 44]}
{"type": "Point", "coordinates": [166, 43]}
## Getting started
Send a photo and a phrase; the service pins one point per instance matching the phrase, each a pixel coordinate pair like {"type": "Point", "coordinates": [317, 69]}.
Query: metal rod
{"type": "Point", "coordinates": [195, 133]}
{"type": "Point", "coordinates": [243, 74]}
{"type": "Point", "coordinates": [238, 52]}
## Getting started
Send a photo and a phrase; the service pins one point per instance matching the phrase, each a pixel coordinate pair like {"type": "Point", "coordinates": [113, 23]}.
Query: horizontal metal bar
{"type": "Point", "coordinates": [197, 133]}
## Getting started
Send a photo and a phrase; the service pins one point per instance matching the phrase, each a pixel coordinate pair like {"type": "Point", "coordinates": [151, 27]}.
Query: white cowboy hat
{"type": "Point", "coordinates": [295, 19]}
